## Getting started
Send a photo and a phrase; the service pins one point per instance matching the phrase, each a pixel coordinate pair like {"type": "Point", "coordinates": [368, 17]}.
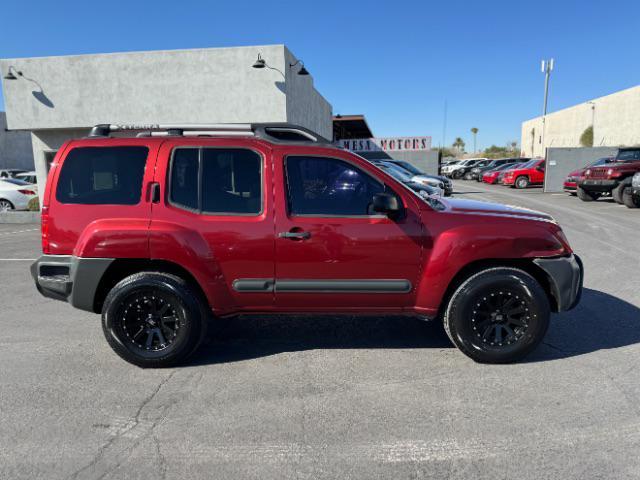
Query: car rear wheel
{"type": "Point", "coordinates": [5, 205]}
{"type": "Point", "coordinates": [630, 200]}
{"type": "Point", "coordinates": [457, 174]}
{"type": "Point", "coordinates": [522, 182]}
{"type": "Point", "coordinates": [468, 176]}
{"type": "Point", "coordinates": [498, 315]}
{"type": "Point", "coordinates": [153, 319]}
{"type": "Point", "coordinates": [587, 196]}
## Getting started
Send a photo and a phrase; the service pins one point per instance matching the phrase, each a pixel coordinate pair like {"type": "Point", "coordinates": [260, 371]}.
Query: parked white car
{"type": "Point", "coordinates": [29, 177]}
{"type": "Point", "coordinates": [10, 172]}
{"type": "Point", "coordinates": [16, 194]}
{"type": "Point", "coordinates": [450, 170]}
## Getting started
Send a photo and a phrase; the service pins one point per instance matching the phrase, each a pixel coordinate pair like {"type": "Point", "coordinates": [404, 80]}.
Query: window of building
{"type": "Point", "coordinates": [328, 186]}
{"type": "Point", "coordinates": [102, 175]}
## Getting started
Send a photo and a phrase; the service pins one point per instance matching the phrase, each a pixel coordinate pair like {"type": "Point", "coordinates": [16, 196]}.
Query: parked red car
{"type": "Point", "coordinates": [493, 176]}
{"type": "Point", "coordinates": [530, 173]}
{"type": "Point", "coordinates": [162, 232]}
{"type": "Point", "coordinates": [570, 184]}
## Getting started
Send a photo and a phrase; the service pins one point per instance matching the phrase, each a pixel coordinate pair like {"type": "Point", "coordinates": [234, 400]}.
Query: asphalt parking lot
{"type": "Point", "coordinates": [332, 398]}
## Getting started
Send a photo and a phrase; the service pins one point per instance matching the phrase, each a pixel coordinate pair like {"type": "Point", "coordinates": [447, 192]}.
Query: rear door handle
{"type": "Point", "coordinates": [295, 235]}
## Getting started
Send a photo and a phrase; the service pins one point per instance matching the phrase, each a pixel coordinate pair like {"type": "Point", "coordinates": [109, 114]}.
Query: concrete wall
{"type": "Point", "coordinates": [615, 117]}
{"type": "Point", "coordinates": [305, 106]}
{"type": "Point", "coordinates": [15, 147]}
{"type": "Point", "coordinates": [562, 161]}
{"type": "Point", "coordinates": [202, 85]}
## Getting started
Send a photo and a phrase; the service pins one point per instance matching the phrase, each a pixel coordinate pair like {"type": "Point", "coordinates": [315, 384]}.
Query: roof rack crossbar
{"type": "Point", "coordinates": [274, 132]}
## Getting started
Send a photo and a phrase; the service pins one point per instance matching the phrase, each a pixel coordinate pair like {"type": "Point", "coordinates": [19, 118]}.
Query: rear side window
{"type": "Point", "coordinates": [217, 181]}
{"type": "Point", "coordinates": [102, 175]}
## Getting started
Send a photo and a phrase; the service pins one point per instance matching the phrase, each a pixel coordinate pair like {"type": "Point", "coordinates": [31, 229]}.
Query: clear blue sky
{"type": "Point", "coordinates": [394, 61]}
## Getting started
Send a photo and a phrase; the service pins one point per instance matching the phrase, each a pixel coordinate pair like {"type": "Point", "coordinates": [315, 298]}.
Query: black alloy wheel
{"type": "Point", "coordinates": [498, 315]}
{"type": "Point", "coordinates": [151, 319]}
{"type": "Point", "coordinates": [154, 319]}
{"type": "Point", "coordinates": [501, 318]}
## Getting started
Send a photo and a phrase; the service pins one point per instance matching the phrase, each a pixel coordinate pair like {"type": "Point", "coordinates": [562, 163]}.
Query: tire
{"type": "Point", "coordinates": [456, 175]}
{"type": "Point", "coordinates": [521, 182]}
{"type": "Point", "coordinates": [468, 176]}
{"type": "Point", "coordinates": [482, 334]}
{"type": "Point", "coordinates": [587, 196]}
{"type": "Point", "coordinates": [617, 193]}
{"type": "Point", "coordinates": [630, 200]}
{"type": "Point", "coordinates": [5, 205]}
{"type": "Point", "coordinates": [152, 294]}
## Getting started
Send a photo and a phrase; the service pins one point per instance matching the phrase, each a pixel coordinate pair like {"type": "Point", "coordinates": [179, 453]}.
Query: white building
{"type": "Point", "coordinates": [58, 98]}
{"type": "Point", "coordinates": [615, 119]}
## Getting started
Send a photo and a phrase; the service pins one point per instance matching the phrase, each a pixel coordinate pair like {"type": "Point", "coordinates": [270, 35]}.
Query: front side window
{"type": "Point", "coordinates": [328, 186]}
{"type": "Point", "coordinates": [102, 175]}
{"type": "Point", "coordinates": [217, 180]}
{"type": "Point", "coordinates": [628, 156]}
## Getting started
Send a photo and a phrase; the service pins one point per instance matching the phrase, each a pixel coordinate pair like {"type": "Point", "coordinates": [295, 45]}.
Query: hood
{"type": "Point", "coordinates": [476, 207]}
{"type": "Point", "coordinates": [576, 173]}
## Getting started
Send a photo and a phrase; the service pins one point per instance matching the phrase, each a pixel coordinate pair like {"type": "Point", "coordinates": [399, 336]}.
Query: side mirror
{"type": "Point", "coordinates": [386, 203]}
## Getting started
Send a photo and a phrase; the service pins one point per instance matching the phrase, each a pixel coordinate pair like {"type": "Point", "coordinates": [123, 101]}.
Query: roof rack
{"type": "Point", "coordinates": [274, 132]}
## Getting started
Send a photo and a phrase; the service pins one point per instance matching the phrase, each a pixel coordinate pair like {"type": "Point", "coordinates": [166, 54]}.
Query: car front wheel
{"type": "Point", "coordinates": [618, 192]}
{"type": "Point", "coordinates": [587, 196]}
{"type": "Point", "coordinates": [522, 182]}
{"type": "Point", "coordinates": [153, 319]}
{"type": "Point", "coordinates": [498, 315]}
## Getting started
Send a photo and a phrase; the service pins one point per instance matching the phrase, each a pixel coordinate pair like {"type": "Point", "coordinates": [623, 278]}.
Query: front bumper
{"type": "Point", "coordinates": [597, 185]}
{"type": "Point", "coordinates": [69, 278]}
{"type": "Point", "coordinates": [566, 277]}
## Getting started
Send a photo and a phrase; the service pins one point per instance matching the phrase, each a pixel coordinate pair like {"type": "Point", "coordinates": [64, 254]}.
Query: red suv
{"type": "Point", "coordinates": [613, 178]}
{"type": "Point", "coordinates": [570, 184]}
{"type": "Point", "coordinates": [182, 224]}
{"type": "Point", "coordinates": [530, 173]}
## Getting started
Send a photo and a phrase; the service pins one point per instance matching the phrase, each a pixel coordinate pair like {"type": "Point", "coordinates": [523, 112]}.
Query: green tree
{"type": "Point", "coordinates": [474, 130]}
{"type": "Point", "coordinates": [458, 144]}
{"type": "Point", "coordinates": [586, 139]}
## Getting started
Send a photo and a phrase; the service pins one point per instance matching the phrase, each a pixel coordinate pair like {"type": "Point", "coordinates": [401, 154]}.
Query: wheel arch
{"type": "Point", "coordinates": [123, 267]}
{"type": "Point", "coordinates": [525, 264]}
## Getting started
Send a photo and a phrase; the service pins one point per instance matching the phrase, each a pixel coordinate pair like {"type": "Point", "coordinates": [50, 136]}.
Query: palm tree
{"type": "Point", "coordinates": [474, 130]}
{"type": "Point", "coordinates": [459, 144]}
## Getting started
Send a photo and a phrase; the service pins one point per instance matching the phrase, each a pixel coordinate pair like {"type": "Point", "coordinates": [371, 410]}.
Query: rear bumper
{"type": "Point", "coordinates": [570, 186]}
{"type": "Point", "coordinates": [595, 185]}
{"type": "Point", "coordinates": [566, 276]}
{"type": "Point", "coordinates": [68, 278]}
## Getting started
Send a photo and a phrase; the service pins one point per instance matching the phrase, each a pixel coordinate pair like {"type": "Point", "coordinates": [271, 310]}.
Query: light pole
{"type": "Point", "coordinates": [547, 68]}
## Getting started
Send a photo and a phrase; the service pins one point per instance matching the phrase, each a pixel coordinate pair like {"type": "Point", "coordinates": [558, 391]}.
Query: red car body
{"type": "Point", "coordinates": [493, 176]}
{"type": "Point", "coordinates": [570, 184]}
{"type": "Point", "coordinates": [277, 262]}
{"type": "Point", "coordinates": [531, 173]}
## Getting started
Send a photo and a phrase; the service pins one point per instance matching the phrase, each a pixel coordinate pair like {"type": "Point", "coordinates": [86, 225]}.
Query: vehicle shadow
{"type": "Point", "coordinates": [600, 321]}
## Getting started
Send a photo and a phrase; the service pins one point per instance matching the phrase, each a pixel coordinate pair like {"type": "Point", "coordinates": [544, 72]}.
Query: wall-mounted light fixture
{"type": "Point", "coordinates": [12, 73]}
{"type": "Point", "coordinates": [302, 71]}
{"type": "Point", "coordinates": [262, 63]}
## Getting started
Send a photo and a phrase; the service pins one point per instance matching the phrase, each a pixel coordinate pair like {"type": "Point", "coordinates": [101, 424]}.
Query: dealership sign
{"type": "Point", "coordinates": [390, 144]}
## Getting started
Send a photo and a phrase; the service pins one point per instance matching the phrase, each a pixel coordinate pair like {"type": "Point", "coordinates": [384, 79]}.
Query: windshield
{"type": "Point", "coordinates": [407, 166]}
{"type": "Point", "coordinates": [396, 172]}
{"type": "Point", "coordinates": [628, 156]}
{"type": "Point", "coordinates": [601, 161]}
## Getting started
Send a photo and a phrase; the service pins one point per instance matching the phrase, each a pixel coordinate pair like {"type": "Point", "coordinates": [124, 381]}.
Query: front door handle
{"type": "Point", "coordinates": [295, 235]}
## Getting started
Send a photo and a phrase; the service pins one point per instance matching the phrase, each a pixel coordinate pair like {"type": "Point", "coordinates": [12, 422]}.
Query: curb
{"type": "Point", "coordinates": [20, 217]}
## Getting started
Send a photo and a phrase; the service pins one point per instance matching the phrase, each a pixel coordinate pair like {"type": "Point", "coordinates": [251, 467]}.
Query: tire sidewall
{"type": "Point", "coordinates": [521, 182]}
{"type": "Point", "coordinates": [190, 311]}
{"type": "Point", "coordinates": [460, 310]}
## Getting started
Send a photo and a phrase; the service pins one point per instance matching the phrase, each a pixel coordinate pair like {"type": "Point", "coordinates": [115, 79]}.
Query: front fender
{"type": "Point", "coordinates": [457, 247]}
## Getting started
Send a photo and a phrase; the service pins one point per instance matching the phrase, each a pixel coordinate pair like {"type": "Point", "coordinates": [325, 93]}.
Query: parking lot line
{"type": "Point", "coordinates": [17, 259]}
{"type": "Point", "coordinates": [19, 231]}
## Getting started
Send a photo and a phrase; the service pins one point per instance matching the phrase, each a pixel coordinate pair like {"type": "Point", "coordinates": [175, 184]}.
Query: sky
{"type": "Point", "coordinates": [397, 62]}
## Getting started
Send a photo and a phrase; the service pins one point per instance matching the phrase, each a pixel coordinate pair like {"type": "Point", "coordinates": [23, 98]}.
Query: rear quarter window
{"type": "Point", "coordinates": [102, 175]}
